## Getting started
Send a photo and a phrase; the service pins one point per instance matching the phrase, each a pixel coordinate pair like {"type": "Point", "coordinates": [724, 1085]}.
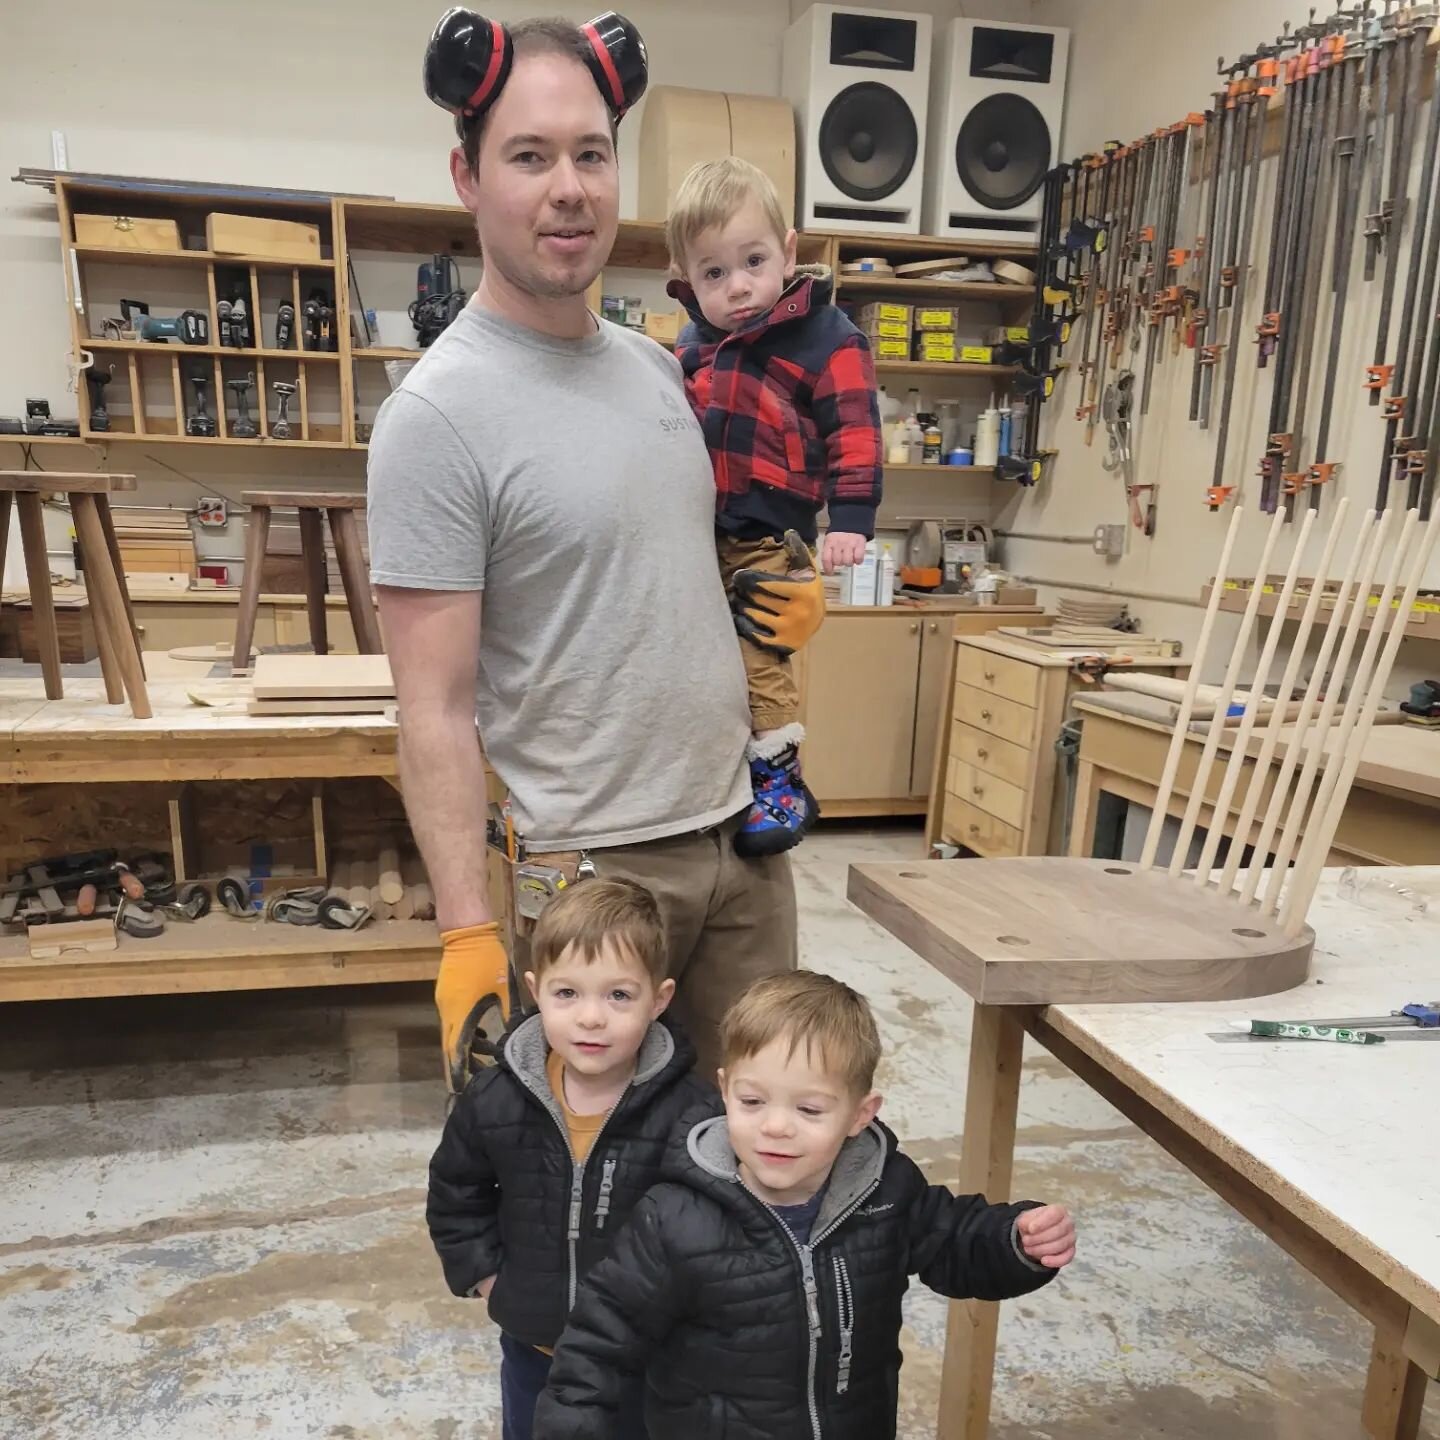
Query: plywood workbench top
{"type": "Point", "coordinates": [1342, 1134]}
{"type": "Point", "coordinates": [1402, 757]}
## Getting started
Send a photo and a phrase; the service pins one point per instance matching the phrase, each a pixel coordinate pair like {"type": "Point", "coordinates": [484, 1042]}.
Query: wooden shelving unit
{"type": "Point", "coordinates": [152, 392]}
{"type": "Point", "coordinates": [940, 470]}
{"type": "Point", "coordinates": [1423, 622]}
{"type": "Point", "coordinates": [903, 287]}
{"type": "Point", "coordinates": [956, 368]}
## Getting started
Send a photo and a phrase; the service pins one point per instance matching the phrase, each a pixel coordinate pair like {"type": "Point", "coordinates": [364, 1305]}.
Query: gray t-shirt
{"type": "Point", "coordinates": [568, 480]}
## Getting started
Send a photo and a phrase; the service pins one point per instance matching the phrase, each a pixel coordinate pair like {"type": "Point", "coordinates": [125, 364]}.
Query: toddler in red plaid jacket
{"type": "Point", "coordinates": [784, 387]}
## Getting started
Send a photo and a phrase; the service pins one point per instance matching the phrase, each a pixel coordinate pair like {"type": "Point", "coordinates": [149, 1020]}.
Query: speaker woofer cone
{"type": "Point", "coordinates": [1003, 151]}
{"type": "Point", "coordinates": [868, 141]}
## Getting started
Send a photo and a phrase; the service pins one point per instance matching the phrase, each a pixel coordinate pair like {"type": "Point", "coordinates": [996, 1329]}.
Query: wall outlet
{"type": "Point", "coordinates": [1109, 541]}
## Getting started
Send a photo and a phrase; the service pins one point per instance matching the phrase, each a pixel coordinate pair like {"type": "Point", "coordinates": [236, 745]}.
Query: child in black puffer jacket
{"type": "Point", "coordinates": [758, 1288]}
{"type": "Point", "coordinates": [547, 1153]}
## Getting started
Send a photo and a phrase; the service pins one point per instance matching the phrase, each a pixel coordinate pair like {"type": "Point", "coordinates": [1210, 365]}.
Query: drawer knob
{"type": "Point", "coordinates": [915, 627]}
{"type": "Point", "coordinates": [989, 674]}
{"type": "Point", "coordinates": [983, 754]}
{"type": "Point", "coordinates": [986, 715]}
{"type": "Point", "coordinates": [974, 829]}
{"type": "Point", "coordinates": [977, 789]}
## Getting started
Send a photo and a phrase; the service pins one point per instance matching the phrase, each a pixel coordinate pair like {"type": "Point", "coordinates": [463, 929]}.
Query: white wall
{"type": "Point", "coordinates": [1123, 83]}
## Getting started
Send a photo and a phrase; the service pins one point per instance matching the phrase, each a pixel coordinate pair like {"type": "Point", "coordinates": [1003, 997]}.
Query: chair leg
{"type": "Point", "coordinates": [257, 532]}
{"type": "Point", "coordinates": [104, 585]}
{"type": "Point", "coordinates": [356, 581]}
{"type": "Point", "coordinates": [312, 552]}
{"type": "Point", "coordinates": [4, 531]}
{"type": "Point", "coordinates": [105, 641]}
{"type": "Point", "coordinates": [42, 599]}
{"type": "Point", "coordinates": [107, 523]}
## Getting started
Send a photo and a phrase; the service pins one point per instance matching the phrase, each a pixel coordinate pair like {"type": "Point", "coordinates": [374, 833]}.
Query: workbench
{"type": "Point", "coordinates": [1323, 1147]}
{"type": "Point", "coordinates": [85, 747]}
{"type": "Point", "coordinates": [1391, 818]}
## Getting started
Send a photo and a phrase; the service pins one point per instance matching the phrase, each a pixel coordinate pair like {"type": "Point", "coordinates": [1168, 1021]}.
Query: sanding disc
{"type": "Point", "coordinates": [869, 265]}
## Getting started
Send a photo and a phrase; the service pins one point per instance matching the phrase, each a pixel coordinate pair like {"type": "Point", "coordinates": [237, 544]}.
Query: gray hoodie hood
{"type": "Point", "coordinates": [856, 1171]}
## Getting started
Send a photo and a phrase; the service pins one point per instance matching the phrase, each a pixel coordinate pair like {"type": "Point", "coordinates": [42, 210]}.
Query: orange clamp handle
{"type": "Point", "coordinates": [1377, 377]}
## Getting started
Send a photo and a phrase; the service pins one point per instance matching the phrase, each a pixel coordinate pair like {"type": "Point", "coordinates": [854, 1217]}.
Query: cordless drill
{"type": "Point", "coordinates": [97, 380]}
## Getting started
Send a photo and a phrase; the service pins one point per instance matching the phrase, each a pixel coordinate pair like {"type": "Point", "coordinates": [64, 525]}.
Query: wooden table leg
{"type": "Point", "coordinates": [103, 586]}
{"type": "Point", "coordinates": [356, 582]}
{"type": "Point", "coordinates": [4, 530]}
{"type": "Point", "coordinates": [42, 598]}
{"type": "Point", "coordinates": [1394, 1390]}
{"type": "Point", "coordinates": [312, 553]}
{"type": "Point", "coordinates": [1082, 821]}
{"type": "Point", "coordinates": [107, 523]}
{"type": "Point", "coordinates": [257, 533]}
{"type": "Point", "coordinates": [987, 1155]}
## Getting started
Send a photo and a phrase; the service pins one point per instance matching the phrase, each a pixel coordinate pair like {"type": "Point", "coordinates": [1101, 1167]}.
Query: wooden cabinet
{"type": "Point", "coordinates": [875, 683]}
{"type": "Point", "coordinates": [998, 786]}
{"type": "Point", "coordinates": [861, 688]}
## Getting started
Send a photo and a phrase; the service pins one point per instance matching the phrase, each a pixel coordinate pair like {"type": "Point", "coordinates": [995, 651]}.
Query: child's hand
{"type": "Point", "coordinates": [1047, 1235]}
{"type": "Point", "coordinates": [841, 549]}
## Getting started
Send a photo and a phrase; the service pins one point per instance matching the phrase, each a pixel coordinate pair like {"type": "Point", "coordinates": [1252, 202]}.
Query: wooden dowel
{"type": "Point", "coordinates": [1345, 762]}
{"type": "Point", "coordinates": [1222, 702]}
{"type": "Point", "coordinates": [1235, 764]}
{"type": "Point", "coordinates": [1313, 741]}
{"type": "Point", "coordinates": [1294, 749]}
{"type": "Point", "coordinates": [1187, 703]}
{"type": "Point", "coordinates": [339, 885]}
{"type": "Point", "coordinates": [360, 884]}
{"type": "Point", "coordinates": [390, 885]}
{"type": "Point", "coordinates": [1281, 709]}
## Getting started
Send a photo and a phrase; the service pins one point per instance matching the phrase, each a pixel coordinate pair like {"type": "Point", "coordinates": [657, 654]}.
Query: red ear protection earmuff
{"type": "Point", "coordinates": [468, 61]}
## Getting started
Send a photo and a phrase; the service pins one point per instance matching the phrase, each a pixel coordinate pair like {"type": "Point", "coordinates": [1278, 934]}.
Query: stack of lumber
{"type": "Point", "coordinates": [322, 685]}
{"type": "Point", "coordinates": [154, 542]}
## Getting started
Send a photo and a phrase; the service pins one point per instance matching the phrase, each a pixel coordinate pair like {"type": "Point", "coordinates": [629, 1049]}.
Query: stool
{"type": "Point", "coordinates": [115, 634]}
{"type": "Point", "coordinates": [346, 534]}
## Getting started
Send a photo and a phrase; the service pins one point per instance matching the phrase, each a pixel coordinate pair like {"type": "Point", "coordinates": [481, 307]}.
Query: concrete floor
{"type": "Point", "coordinates": [211, 1225]}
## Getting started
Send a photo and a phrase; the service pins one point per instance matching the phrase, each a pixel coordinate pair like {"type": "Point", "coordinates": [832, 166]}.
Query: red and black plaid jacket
{"type": "Point", "coordinates": [789, 401]}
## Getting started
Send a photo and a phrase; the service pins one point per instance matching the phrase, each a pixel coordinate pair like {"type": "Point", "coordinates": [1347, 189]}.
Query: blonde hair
{"type": "Point", "coordinates": [830, 1020]}
{"type": "Point", "coordinates": [712, 194]}
{"type": "Point", "coordinates": [591, 913]}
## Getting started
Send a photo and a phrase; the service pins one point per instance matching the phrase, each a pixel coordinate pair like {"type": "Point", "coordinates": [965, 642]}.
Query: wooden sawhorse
{"type": "Point", "coordinates": [116, 636]}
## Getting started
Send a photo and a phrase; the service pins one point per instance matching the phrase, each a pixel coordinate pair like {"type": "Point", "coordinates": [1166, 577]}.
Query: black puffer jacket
{"type": "Point", "coordinates": [506, 1197]}
{"type": "Point", "coordinates": [742, 1333]}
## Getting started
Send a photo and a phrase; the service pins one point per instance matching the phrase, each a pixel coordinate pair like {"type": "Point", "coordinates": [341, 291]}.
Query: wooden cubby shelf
{"type": "Point", "coordinates": [337, 395]}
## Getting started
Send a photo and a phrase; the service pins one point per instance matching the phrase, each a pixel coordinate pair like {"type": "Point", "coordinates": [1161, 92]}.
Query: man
{"type": "Point", "coordinates": [541, 513]}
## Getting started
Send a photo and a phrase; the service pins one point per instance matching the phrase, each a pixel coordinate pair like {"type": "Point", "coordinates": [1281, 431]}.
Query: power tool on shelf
{"type": "Point", "coordinates": [190, 327]}
{"type": "Point", "coordinates": [1423, 706]}
{"type": "Point", "coordinates": [200, 421]}
{"type": "Point", "coordinates": [284, 326]}
{"type": "Point", "coordinates": [318, 315]}
{"type": "Point", "coordinates": [97, 379]}
{"type": "Point", "coordinates": [280, 426]}
{"type": "Point", "coordinates": [243, 426]}
{"type": "Point", "coordinates": [438, 298]}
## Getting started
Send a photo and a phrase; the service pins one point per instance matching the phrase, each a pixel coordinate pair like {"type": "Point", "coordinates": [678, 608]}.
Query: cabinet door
{"type": "Point", "coordinates": [862, 670]}
{"type": "Point", "coordinates": [936, 645]}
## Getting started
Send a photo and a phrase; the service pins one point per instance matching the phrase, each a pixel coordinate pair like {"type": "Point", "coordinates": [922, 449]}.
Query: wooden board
{"type": "Point", "coordinates": [71, 938]}
{"type": "Point", "coordinates": [1039, 930]}
{"type": "Point", "coordinates": [312, 677]}
{"type": "Point", "coordinates": [53, 482]}
{"type": "Point", "coordinates": [364, 705]}
{"type": "Point", "coordinates": [260, 235]}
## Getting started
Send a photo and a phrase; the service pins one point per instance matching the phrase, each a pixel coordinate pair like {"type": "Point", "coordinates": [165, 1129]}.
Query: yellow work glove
{"type": "Point", "coordinates": [780, 612]}
{"type": "Point", "coordinates": [472, 994]}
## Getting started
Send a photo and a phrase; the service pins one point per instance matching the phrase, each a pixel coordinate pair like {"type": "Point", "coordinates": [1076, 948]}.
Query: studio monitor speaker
{"type": "Point", "coordinates": [859, 82]}
{"type": "Point", "coordinates": [996, 101]}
